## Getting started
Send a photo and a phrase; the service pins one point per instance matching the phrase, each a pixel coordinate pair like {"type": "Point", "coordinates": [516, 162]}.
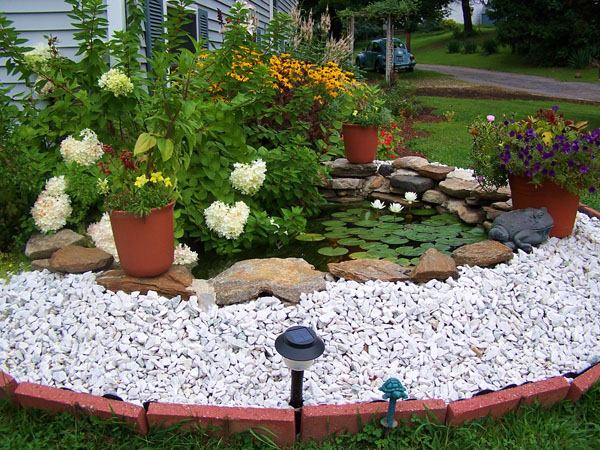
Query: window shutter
{"type": "Point", "coordinates": [203, 26]}
{"type": "Point", "coordinates": [154, 23]}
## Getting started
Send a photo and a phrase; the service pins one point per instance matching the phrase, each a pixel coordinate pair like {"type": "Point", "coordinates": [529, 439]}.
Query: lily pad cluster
{"type": "Point", "coordinates": [361, 233]}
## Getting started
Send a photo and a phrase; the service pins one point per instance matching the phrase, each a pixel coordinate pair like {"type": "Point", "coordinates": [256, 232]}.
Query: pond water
{"type": "Point", "coordinates": [360, 232]}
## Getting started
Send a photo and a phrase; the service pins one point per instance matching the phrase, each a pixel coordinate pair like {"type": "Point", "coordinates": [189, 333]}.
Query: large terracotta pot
{"type": "Point", "coordinates": [144, 244]}
{"type": "Point", "coordinates": [561, 204]}
{"type": "Point", "coordinates": [360, 143]}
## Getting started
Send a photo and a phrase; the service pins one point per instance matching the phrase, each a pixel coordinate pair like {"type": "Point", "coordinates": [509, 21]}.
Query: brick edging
{"type": "Point", "coordinates": [317, 422]}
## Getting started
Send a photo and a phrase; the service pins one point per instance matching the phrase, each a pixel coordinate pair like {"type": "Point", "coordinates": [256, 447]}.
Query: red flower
{"type": "Point", "coordinates": [104, 168]}
{"type": "Point", "coordinates": [108, 149]}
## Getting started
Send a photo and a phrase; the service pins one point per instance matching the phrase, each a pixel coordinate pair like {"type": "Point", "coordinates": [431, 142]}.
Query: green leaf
{"type": "Point", "coordinates": [166, 148]}
{"type": "Point", "coordinates": [333, 251]}
{"type": "Point", "coordinates": [144, 142]}
{"type": "Point", "coordinates": [310, 237]}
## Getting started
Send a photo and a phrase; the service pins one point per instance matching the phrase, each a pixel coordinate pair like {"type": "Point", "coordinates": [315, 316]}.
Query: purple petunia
{"type": "Point", "coordinates": [584, 169]}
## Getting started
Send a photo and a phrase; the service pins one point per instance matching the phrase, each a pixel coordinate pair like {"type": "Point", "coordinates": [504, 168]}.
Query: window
{"type": "Point", "coordinates": [376, 47]}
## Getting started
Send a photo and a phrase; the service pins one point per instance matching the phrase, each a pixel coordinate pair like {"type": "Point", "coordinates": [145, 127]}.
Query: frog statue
{"type": "Point", "coordinates": [522, 228]}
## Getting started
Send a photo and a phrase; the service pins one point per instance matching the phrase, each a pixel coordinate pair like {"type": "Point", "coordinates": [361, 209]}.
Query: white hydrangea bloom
{"type": "Point", "coordinates": [185, 256]}
{"type": "Point", "coordinates": [116, 82]}
{"type": "Point", "coordinates": [38, 57]}
{"type": "Point", "coordinates": [48, 88]}
{"type": "Point", "coordinates": [248, 178]}
{"type": "Point", "coordinates": [52, 207]}
{"type": "Point", "coordinates": [84, 152]}
{"type": "Point", "coordinates": [227, 221]}
{"type": "Point", "coordinates": [102, 235]}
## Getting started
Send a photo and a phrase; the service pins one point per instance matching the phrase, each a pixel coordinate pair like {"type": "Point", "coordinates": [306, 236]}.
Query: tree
{"type": "Point", "coordinates": [467, 21]}
{"type": "Point", "coordinates": [391, 11]}
{"type": "Point", "coordinates": [548, 32]}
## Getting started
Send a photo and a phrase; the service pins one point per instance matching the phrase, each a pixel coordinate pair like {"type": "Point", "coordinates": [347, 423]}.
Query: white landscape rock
{"type": "Point", "coordinates": [534, 317]}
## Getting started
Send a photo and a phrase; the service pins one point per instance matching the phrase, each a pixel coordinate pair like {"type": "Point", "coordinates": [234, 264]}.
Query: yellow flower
{"type": "Point", "coordinates": [155, 177]}
{"type": "Point", "coordinates": [167, 182]}
{"type": "Point", "coordinates": [547, 137]}
{"type": "Point", "coordinates": [140, 181]}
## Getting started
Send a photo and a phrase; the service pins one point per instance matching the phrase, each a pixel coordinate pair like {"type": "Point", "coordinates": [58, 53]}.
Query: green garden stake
{"type": "Point", "coordinates": [393, 390]}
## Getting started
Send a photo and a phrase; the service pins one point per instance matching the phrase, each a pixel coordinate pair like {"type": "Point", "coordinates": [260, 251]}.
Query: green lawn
{"type": "Point", "coordinates": [431, 48]}
{"type": "Point", "coordinates": [450, 142]}
{"type": "Point", "coordinates": [565, 426]}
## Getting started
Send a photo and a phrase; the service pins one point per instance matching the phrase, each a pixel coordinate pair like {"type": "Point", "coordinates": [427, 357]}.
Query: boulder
{"type": "Point", "coordinates": [362, 270]}
{"type": "Point", "coordinates": [346, 183]}
{"type": "Point", "coordinates": [435, 172]}
{"type": "Point", "coordinates": [77, 259]}
{"type": "Point", "coordinates": [403, 183]}
{"type": "Point", "coordinates": [170, 284]}
{"type": "Point", "coordinates": [434, 196]}
{"type": "Point", "coordinates": [470, 215]}
{"type": "Point", "coordinates": [341, 167]}
{"type": "Point", "coordinates": [385, 169]}
{"type": "Point", "coordinates": [42, 246]}
{"type": "Point", "coordinates": [284, 278]}
{"type": "Point", "coordinates": [457, 187]}
{"type": "Point", "coordinates": [504, 206]}
{"type": "Point", "coordinates": [492, 213]}
{"type": "Point", "coordinates": [410, 162]}
{"type": "Point", "coordinates": [453, 205]}
{"type": "Point", "coordinates": [483, 254]}
{"type": "Point", "coordinates": [434, 265]}
{"type": "Point", "coordinates": [407, 172]}
{"type": "Point", "coordinates": [41, 264]}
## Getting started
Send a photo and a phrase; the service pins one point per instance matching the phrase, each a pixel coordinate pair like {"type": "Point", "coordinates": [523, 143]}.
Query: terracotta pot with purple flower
{"type": "Point", "coordinates": [549, 161]}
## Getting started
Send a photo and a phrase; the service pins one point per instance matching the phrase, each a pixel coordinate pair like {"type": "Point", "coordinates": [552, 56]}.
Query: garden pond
{"type": "Point", "coordinates": [361, 232]}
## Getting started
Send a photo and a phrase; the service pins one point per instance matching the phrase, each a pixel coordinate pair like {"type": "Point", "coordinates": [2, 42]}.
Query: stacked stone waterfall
{"type": "Point", "coordinates": [445, 188]}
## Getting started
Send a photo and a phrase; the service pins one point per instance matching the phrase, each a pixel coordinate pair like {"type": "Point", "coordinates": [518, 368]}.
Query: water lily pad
{"type": "Point", "coordinates": [332, 251]}
{"type": "Point", "coordinates": [423, 212]}
{"type": "Point", "coordinates": [394, 240]}
{"type": "Point", "coordinates": [310, 237]}
{"type": "Point", "coordinates": [403, 261]}
{"type": "Point", "coordinates": [390, 218]}
{"type": "Point", "coordinates": [408, 251]}
{"type": "Point", "coordinates": [359, 255]}
{"type": "Point", "coordinates": [374, 246]}
{"type": "Point", "coordinates": [366, 223]}
{"type": "Point", "coordinates": [371, 236]}
{"type": "Point", "coordinates": [415, 261]}
{"type": "Point", "coordinates": [351, 242]}
{"type": "Point", "coordinates": [333, 223]}
{"type": "Point", "coordinates": [337, 234]}
{"type": "Point", "coordinates": [341, 214]}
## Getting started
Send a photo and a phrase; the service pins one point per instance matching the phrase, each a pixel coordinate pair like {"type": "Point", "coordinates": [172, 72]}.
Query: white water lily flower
{"type": "Point", "coordinates": [396, 207]}
{"type": "Point", "coordinates": [410, 197]}
{"type": "Point", "coordinates": [378, 204]}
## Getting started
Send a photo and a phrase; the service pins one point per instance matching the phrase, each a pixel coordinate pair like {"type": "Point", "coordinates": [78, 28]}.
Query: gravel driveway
{"type": "Point", "coordinates": [547, 87]}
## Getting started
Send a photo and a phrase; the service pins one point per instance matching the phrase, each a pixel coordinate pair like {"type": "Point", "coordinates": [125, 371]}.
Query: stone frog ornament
{"type": "Point", "coordinates": [522, 228]}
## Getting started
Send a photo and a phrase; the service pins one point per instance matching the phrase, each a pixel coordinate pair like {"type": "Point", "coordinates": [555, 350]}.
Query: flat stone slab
{"type": "Point", "coordinates": [346, 183]}
{"type": "Point", "coordinates": [483, 254]}
{"type": "Point", "coordinates": [470, 215]}
{"type": "Point", "coordinates": [170, 284]}
{"type": "Point", "coordinates": [456, 187]}
{"type": "Point", "coordinates": [434, 196]}
{"type": "Point", "coordinates": [42, 246]}
{"type": "Point", "coordinates": [77, 259]}
{"type": "Point", "coordinates": [284, 278]}
{"type": "Point", "coordinates": [410, 162]}
{"type": "Point", "coordinates": [341, 167]}
{"type": "Point", "coordinates": [504, 206]}
{"type": "Point", "coordinates": [362, 270]}
{"type": "Point", "coordinates": [404, 183]}
{"type": "Point", "coordinates": [434, 265]}
{"type": "Point", "coordinates": [435, 172]}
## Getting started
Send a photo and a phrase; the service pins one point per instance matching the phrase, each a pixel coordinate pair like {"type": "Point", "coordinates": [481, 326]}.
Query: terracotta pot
{"type": "Point", "coordinates": [144, 244]}
{"type": "Point", "coordinates": [360, 143]}
{"type": "Point", "coordinates": [562, 205]}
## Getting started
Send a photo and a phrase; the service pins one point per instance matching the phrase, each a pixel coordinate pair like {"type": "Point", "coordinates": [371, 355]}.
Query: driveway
{"type": "Point", "coordinates": [546, 87]}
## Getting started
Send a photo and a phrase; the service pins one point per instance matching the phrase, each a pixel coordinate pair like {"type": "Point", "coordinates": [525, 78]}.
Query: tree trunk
{"type": "Point", "coordinates": [389, 51]}
{"type": "Point", "coordinates": [466, 10]}
{"type": "Point", "coordinates": [408, 36]}
{"type": "Point", "coordinates": [351, 33]}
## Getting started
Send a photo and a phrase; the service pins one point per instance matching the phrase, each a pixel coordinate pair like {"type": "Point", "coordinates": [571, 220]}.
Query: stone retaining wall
{"type": "Point", "coordinates": [313, 422]}
{"type": "Point", "coordinates": [443, 187]}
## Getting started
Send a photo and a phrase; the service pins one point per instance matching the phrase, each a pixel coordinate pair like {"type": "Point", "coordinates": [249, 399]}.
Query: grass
{"type": "Point", "coordinates": [431, 48]}
{"type": "Point", "coordinates": [565, 426]}
{"type": "Point", "coordinates": [12, 263]}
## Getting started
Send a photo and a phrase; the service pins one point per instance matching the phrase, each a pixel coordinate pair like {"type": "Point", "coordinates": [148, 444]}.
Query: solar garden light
{"type": "Point", "coordinates": [299, 346]}
{"type": "Point", "coordinates": [394, 390]}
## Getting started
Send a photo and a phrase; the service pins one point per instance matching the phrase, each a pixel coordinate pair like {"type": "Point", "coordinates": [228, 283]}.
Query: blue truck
{"type": "Point", "coordinates": [373, 57]}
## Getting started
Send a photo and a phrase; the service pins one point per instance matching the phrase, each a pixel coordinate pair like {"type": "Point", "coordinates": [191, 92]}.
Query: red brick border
{"type": "Point", "coordinates": [7, 385]}
{"type": "Point", "coordinates": [276, 423]}
{"type": "Point", "coordinates": [30, 395]}
{"type": "Point", "coordinates": [584, 382]}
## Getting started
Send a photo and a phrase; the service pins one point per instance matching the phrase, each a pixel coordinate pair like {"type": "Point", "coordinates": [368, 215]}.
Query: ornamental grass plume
{"type": "Point", "coordinates": [84, 152]}
{"type": "Point", "coordinates": [52, 207]}
{"type": "Point", "coordinates": [117, 82]}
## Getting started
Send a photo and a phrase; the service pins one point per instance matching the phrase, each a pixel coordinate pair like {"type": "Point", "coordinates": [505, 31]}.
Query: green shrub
{"type": "Point", "coordinates": [490, 46]}
{"type": "Point", "coordinates": [580, 58]}
{"type": "Point", "coordinates": [453, 46]}
{"type": "Point", "coordinates": [401, 99]}
{"type": "Point", "coordinates": [470, 47]}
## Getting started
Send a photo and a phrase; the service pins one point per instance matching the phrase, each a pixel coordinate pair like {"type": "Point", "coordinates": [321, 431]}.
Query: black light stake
{"type": "Point", "coordinates": [299, 346]}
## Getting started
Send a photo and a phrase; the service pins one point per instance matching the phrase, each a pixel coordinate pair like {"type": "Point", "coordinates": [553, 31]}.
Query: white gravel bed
{"type": "Point", "coordinates": [533, 318]}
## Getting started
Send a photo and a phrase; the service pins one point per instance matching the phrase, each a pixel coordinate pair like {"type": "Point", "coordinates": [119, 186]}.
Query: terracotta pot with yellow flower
{"type": "Point", "coordinates": [140, 202]}
{"type": "Point", "coordinates": [366, 115]}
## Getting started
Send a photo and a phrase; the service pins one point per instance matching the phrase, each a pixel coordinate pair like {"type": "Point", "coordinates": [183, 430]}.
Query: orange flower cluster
{"type": "Point", "coordinates": [289, 73]}
{"type": "Point", "coordinates": [244, 62]}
